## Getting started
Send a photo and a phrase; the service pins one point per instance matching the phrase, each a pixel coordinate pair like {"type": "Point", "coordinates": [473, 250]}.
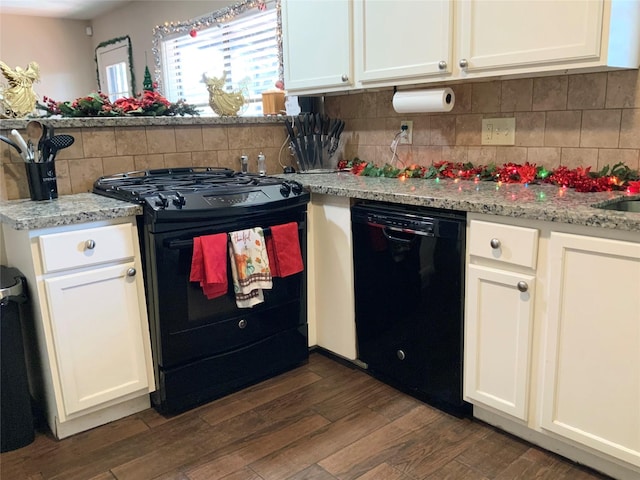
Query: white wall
{"type": "Point", "coordinates": [61, 48]}
{"type": "Point", "coordinates": [66, 55]}
{"type": "Point", "coordinates": [138, 18]}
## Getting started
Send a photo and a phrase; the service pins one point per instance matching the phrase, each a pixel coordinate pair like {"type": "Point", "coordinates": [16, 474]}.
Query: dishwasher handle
{"type": "Point", "coordinates": [387, 232]}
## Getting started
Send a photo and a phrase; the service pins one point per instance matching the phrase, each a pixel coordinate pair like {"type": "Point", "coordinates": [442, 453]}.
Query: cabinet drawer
{"type": "Point", "coordinates": [506, 243]}
{"type": "Point", "coordinates": [82, 248]}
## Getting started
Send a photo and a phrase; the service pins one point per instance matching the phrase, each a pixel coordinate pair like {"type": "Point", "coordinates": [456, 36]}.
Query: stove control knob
{"type": "Point", "coordinates": [296, 187]}
{"type": "Point", "coordinates": [162, 201]}
{"type": "Point", "coordinates": [179, 201]}
{"type": "Point", "coordinates": [285, 189]}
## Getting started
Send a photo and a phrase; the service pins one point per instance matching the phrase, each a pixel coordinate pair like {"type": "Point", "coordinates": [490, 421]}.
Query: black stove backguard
{"type": "Point", "coordinates": [204, 349]}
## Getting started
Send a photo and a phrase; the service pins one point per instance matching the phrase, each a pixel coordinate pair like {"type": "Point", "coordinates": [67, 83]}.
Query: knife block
{"type": "Point", "coordinates": [273, 103]}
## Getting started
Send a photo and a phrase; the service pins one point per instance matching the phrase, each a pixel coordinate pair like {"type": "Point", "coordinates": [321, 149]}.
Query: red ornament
{"type": "Point", "coordinates": [193, 33]}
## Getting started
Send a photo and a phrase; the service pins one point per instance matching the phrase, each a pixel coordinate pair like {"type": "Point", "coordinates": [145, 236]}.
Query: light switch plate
{"type": "Point", "coordinates": [499, 131]}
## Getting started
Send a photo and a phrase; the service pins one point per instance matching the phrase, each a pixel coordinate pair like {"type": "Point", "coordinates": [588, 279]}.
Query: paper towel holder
{"type": "Point", "coordinates": [434, 100]}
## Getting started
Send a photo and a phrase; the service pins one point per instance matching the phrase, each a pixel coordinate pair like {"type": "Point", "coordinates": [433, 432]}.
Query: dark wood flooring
{"type": "Point", "coordinates": [322, 421]}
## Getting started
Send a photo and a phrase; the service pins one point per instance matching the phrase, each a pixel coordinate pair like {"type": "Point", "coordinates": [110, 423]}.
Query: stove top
{"type": "Point", "coordinates": [176, 192]}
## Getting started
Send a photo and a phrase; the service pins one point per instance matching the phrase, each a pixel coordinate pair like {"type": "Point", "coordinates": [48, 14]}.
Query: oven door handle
{"type": "Point", "coordinates": [188, 242]}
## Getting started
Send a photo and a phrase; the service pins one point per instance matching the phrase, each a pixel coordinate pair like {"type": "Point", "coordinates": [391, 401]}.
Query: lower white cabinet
{"type": "Point", "coordinates": [498, 339]}
{"type": "Point", "coordinates": [591, 388]}
{"type": "Point", "coordinates": [90, 326]}
{"type": "Point", "coordinates": [96, 328]}
{"type": "Point", "coordinates": [560, 366]}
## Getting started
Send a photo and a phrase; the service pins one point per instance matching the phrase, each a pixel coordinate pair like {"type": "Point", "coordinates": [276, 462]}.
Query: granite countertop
{"type": "Point", "coordinates": [65, 210]}
{"type": "Point", "coordinates": [536, 202]}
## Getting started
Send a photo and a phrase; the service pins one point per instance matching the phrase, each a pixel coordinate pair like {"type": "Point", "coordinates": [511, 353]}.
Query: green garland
{"type": "Point", "coordinates": [130, 54]}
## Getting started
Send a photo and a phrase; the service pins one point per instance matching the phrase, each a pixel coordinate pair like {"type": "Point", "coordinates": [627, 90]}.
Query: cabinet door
{"type": "Point", "coordinates": [592, 355]}
{"type": "Point", "coordinates": [498, 339]}
{"type": "Point", "coordinates": [317, 45]}
{"type": "Point", "coordinates": [505, 34]}
{"type": "Point", "coordinates": [97, 329]}
{"type": "Point", "coordinates": [420, 40]}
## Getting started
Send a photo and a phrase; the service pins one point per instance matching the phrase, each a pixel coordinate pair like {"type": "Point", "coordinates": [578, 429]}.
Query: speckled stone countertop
{"type": "Point", "coordinates": [86, 122]}
{"type": "Point", "coordinates": [65, 210]}
{"type": "Point", "coordinates": [536, 202]}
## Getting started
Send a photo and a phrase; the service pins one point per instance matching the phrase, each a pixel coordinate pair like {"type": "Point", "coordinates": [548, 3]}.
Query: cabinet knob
{"type": "Point", "coordinates": [463, 63]}
{"type": "Point", "coordinates": [442, 65]}
{"type": "Point", "coordinates": [495, 243]}
{"type": "Point", "coordinates": [400, 354]}
{"type": "Point", "coordinates": [242, 323]}
{"type": "Point", "coordinates": [345, 77]}
{"type": "Point", "coordinates": [90, 244]}
{"type": "Point", "coordinates": [523, 286]}
{"type": "Point", "coordinates": [131, 272]}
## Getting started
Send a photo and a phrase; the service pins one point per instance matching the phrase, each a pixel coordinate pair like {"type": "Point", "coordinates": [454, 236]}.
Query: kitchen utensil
{"type": "Point", "coordinates": [35, 135]}
{"type": "Point", "coordinates": [57, 143]}
{"type": "Point", "coordinates": [293, 140]}
{"type": "Point", "coordinates": [12, 143]}
{"type": "Point", "coordinates": [22, 144]}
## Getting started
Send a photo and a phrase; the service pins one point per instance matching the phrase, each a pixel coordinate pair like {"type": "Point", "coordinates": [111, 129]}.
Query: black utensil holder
{"type": "Point", "coordinates": [42, 180]}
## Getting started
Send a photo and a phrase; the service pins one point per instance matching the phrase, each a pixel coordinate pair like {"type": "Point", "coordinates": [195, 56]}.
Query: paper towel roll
{"type": "Point", "coordinates": [424, 101]}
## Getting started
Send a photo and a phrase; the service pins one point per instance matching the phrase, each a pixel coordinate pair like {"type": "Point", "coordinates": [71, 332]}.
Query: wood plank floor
{"type": "Point", "coordinates": [321, 421]}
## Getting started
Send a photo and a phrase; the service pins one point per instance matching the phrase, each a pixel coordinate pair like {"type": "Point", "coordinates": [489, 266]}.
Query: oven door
{"type": "Point", "coordinates": [186, 326]}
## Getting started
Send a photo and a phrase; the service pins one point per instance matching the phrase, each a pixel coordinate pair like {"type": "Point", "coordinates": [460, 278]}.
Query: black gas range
{"type": "Point", "coordinates": [206, 348]}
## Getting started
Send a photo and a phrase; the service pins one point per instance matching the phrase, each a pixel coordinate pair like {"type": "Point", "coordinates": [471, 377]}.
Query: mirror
{"type": "Point", "coordinates": [114, 60]}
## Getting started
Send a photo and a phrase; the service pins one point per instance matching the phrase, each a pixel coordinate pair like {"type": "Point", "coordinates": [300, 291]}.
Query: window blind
{"type": "Point", "coordinates": [245, 48]}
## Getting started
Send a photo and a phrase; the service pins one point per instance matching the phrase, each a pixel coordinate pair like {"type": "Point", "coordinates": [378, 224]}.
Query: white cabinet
{"type": "Point", "coordinates": [90, 321]}
{"type": "Point", "coordinates": [317, 45]}
{"type": "Point", "coordinates": [591, 389]}
{"type": "Point", "coordinates": [504, 37]}
{"type": "Point", "coordinates": [499, 316]}
{"type": "Point", "coordinates": [341, 45]}
{"type": "Point", "coordinates": [561, 367]}
{"type": "Point", "coordinates": [96, 327]}
{"type": "Point", "coordinates": [331, 303]}
{"type": "Point", "coordinates": [402, 40]}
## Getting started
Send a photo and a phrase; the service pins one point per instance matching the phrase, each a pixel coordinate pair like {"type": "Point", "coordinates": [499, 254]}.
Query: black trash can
{"type": "Point", "coordinates": [16, 417]}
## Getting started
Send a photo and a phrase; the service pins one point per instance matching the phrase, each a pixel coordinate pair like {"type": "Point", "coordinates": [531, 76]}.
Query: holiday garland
{"type": "Point", "coordinates": [618, 177]}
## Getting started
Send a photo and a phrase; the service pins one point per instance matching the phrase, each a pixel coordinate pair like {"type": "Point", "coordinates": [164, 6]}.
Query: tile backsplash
{"type": "Point", "coordinates": [574, 120]}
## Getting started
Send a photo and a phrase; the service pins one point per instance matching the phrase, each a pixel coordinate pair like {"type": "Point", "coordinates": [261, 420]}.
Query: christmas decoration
{"type": "Point", "coordinates": [18, 99]}
{"type": "Point", "coordinates": [147, 83]}
{"type": "Point", "coordinates": [193, 33]}
{"type": "Point", "coordinates": [97, 104]}
{"type": "Point", "coordinates": [618, 177]}
{"type": "Point", "coordinates": [222, 103]}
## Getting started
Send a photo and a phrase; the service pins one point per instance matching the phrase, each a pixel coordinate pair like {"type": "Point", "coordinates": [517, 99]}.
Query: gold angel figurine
{"type": "Point", "coordinates": [221, 102]}
{"type": "Point", "coordinates": [18, 99]}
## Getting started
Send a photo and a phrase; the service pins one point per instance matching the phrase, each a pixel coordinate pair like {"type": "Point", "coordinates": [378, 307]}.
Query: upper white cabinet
{"type": "Point", "coordinates": [591, 390]}
{"type": "Point", "coordinates": [316, 47]}
{"type": "Point", "coordinates": [347, 44]}
{"type": "Point", "coordinates": [402, 40]}
{"type": "Point", "coordinates": [505, 37]}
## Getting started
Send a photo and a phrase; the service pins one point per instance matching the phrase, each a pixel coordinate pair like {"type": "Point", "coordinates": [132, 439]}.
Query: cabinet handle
{"type": "Point", "coordinates": [495, 243]}
{"type": "Point", "coordinates": [345, 77]}
{"type": "Point", "coordinates": [400, 354]}
{"type": "Point", "coordinates": [463, 63]}
{"type": "Point", "coordinates": [442, 65]}
{"type": "Point", "coordinates": [90, 244]}
{"type": "Point", "coordinates": [242, 323]}
{"type": "Point", "coordinates": [522, 286]}
{"type": "Point", "coordinates": [131, 272]}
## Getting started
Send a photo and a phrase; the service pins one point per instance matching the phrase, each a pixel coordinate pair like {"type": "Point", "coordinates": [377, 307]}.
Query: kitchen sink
{"type": "Point", "coordinates": [622, 205]}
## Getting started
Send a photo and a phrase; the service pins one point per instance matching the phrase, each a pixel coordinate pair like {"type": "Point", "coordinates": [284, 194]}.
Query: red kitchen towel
{"type": "Point", "coordinates": [283, 248]}
{"type": "Point", "coordinates": [209, 264]}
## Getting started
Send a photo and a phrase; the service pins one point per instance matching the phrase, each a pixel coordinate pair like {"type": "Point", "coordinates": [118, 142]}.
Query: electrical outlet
{"type": "Point", "coordinates": [499, 131]}
{"type": "Point", "coordinates": [408, 139]}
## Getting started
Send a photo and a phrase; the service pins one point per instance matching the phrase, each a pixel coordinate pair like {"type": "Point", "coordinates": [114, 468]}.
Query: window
{"type": "Point", "coordinates": [240, 44]}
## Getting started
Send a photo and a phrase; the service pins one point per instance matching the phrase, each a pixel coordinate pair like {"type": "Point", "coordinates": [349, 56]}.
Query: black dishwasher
{"type": "Point", "coordinates": [409, 299]}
